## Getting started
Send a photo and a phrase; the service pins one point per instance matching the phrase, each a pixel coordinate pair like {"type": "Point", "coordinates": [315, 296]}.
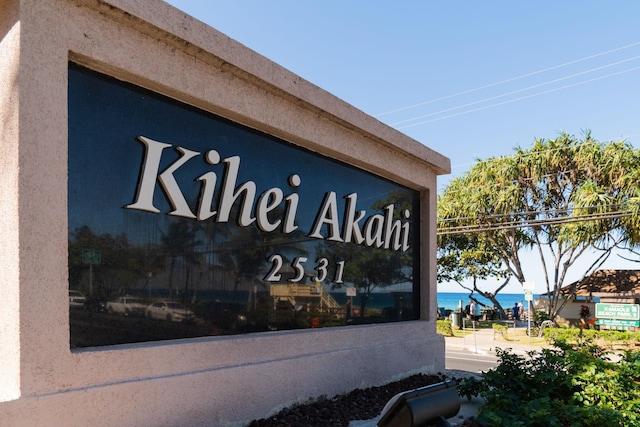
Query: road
{"type": "Point", "coordinates": [465, 360]}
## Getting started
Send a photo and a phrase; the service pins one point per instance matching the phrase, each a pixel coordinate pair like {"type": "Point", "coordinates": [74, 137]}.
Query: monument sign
{"type": "Point", "coordinates": [191, 234]}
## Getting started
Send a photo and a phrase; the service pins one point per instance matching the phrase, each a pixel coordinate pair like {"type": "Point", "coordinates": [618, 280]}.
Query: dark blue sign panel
{"type": "Point", "coordinates": [206, 227]}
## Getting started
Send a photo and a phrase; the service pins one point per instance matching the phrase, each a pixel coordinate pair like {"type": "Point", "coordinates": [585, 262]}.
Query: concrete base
{"type": "Point", "coordinates": [236, 394]}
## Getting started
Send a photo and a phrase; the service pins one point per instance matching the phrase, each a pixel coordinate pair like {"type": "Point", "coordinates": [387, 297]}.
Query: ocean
{"type": "Point", "coordinates": [450, 300]}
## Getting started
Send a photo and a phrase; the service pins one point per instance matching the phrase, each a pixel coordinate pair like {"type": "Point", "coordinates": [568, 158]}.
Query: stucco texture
{"type": "Point", "coordinates": [204, 381]}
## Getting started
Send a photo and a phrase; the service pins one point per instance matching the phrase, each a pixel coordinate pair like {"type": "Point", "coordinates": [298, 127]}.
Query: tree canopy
{"type": "Point", "coordinates": [562, 198]}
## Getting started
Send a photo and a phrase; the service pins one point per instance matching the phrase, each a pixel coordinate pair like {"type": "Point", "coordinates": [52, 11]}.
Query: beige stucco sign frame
{"type": "Point", "coordinates": [204, 381]}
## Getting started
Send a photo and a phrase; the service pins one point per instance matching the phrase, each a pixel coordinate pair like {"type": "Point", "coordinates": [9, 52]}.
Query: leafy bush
{"type": "Point", "coordinates": [443, 327]}
{"type": "Point", "coordinates": [500, 329]}
{"type": "Point", "coordinates": [575, 335]}
{"type": "Point", "coordinates": [571, 385]}
{"type": "Point", "coordinates": [570, 335]}
{"type": "Point", "coordinates": [540, 316]}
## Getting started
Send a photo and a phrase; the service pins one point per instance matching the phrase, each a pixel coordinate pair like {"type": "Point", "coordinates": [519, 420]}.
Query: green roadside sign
{"type": "Point", "coordinates": [91, 256]}
{"type": "Point", "coordinates": [618, 311]}
{"type": "Point", "coordinates": [615, 322]}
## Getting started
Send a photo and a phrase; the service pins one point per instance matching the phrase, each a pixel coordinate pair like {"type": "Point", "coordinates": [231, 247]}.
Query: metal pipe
{"type": "Point", "coordinates": [423, 406]}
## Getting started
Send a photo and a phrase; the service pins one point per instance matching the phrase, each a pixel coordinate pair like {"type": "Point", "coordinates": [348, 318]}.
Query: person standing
{"type": "Point", "coordinates": [521, 313]}
{"type": "Point", "coordinates": [516, 311]}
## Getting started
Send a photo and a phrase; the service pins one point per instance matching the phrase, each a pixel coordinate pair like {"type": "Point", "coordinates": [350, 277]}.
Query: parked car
{"type": "Point", "coordinates": [127, 306]}
{"type": "Point", "coordinates": [76, 299]}
{"type": "Point", "coordinates": [169, 310]}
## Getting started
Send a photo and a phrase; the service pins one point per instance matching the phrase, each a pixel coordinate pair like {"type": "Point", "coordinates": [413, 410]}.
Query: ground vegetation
{"type": "Point", "coordinates": [579, 384]}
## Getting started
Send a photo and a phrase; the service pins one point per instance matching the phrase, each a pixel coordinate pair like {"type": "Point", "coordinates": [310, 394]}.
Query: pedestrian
{"type": "Point", "coordinates": [516, 311]}
{"type": "Point", "coordinates": [521, 313]}
{"type": "Point", "coordinates": [472, 309]}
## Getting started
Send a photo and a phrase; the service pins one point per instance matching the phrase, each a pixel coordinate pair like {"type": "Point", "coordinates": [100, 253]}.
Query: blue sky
{"type": "Point", "coordinates": [468, 79]}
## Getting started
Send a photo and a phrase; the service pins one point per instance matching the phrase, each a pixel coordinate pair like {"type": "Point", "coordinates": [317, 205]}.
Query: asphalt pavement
{"type": "Point", "coordinates": [480, 342]}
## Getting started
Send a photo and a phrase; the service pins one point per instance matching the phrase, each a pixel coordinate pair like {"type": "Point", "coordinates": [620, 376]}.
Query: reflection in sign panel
{"type": "Point", "coordinates": [220, 229]}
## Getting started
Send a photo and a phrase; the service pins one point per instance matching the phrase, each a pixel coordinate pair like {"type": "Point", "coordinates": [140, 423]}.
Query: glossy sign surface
{"type": "Point", "coordinates": [185, 224]}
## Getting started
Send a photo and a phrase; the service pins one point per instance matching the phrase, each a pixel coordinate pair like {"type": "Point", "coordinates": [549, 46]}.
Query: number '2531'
{"type": "Point", "coordinates": [321, 268]}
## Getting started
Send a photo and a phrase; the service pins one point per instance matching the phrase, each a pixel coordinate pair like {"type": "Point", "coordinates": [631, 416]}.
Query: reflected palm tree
{"type": "Point", "coordinates": [180, 243]}
{"type": "Point", "coordinates": [246, 251]}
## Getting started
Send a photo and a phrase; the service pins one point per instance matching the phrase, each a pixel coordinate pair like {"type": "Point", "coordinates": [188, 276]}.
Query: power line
{"type": "Point", "coordinates": [516, 91]}
{"type": "Point", "coordinates": [548, 212]}
{"type": "Point", "coordinates": [478, 228]}
{"type": "Point", "coordinates": [519, 99]}
{"type": "Point", "coordinates": [510, 79]}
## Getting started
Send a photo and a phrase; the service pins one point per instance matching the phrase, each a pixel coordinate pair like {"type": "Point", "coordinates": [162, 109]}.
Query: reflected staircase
{"type": "Point", "coordinates": [303, 296]}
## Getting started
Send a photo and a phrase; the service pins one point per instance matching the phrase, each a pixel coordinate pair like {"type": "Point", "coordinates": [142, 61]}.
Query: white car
{"type": "Point", "coordinates": [168, 310]}
{"type": "Point", "coordinates": [76, 299]}
{"type": "Point", "coordinates": [126, 306]}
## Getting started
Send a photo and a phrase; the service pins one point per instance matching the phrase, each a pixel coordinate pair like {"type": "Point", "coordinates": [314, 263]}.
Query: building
{"type": "Point", "coordinates": [603, 286]}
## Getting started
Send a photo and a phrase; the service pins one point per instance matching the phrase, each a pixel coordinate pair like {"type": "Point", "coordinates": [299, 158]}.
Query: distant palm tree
{"type": "Point", "coordinates": [180, 242]}
{"type": "Point", "coordinates": [246, 251]}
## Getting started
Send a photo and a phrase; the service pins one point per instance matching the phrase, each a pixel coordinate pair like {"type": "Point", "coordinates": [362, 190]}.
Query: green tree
{"type": "Point", "coordinates": [563, 198]}
{"type": "Point", "coordinates": [465, 256]}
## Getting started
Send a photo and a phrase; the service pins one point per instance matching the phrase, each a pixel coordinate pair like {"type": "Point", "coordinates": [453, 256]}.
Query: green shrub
{"type": "Point", "coordinates": [561, 334]}
{"type": "Point", "coordinates": [571, 385]}
{"type": "Point", "coordinates": [575, 335]}
{"type": "Point", "coordinates": [540, 316]}
{"type": "Point", "coordinates": [500, 329]}
{"type": "Point", "coordinates": [443, 327]}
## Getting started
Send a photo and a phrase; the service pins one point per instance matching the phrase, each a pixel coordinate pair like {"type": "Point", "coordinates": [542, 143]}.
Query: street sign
{"type": "Point", "coordinates": [618, 311]}
{"type": "Point", "coordinates": [528, 286]}
{"type": "Point", "coordinates": [351, 292]}
{"type": "Point", "coordinates": [616, 322]}
{"type": "Point", "coordinates": [91, 256]}
{"type": "Point", "coordinates": [528, 294]}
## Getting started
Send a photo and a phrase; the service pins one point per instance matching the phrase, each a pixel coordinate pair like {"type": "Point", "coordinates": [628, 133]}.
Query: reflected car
{"type": "Point", "coordinates": [168, 310]}
{"type": "Point", "coordinates": [126, 306]}
{"type": "Point", "coordinates": [76, 299]}
{"type": "Point", "coordinates": [227, 316]}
